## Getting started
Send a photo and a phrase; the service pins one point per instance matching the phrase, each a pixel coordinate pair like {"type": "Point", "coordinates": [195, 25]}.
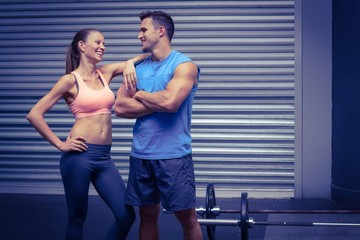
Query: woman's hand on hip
{"type": "Point", "coordinates": [76, 143]}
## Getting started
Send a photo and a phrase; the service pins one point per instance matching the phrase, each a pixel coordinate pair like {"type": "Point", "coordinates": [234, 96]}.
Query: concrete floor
{"type": "Point", "coordinates": [43, 217]}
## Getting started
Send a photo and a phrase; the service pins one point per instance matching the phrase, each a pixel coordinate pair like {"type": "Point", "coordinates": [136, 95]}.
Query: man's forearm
{"type": "Point", "coordinates": [157, 102]}
{"type": "Point", "coordinates": [131, 108]}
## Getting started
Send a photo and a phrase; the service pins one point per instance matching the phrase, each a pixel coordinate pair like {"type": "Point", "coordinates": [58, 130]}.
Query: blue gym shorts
{"type": "Point", "coordinates": [169, 181]}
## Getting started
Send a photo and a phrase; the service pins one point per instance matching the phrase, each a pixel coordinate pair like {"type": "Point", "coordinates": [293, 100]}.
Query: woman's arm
{"type": "Point", "coordinates": [127, 68]}
{"type": "Point", "coordinates": [36, 116]}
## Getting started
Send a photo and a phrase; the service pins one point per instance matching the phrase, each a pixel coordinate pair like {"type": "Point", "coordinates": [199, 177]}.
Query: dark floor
{"type": "Point", "coordinates": [43, 217]}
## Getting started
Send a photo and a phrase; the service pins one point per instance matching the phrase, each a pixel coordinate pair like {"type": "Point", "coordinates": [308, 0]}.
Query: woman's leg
{"type": "Point", "coordinates": [111, 188]}
{"type": "Point", "coordinates": [76, 179]}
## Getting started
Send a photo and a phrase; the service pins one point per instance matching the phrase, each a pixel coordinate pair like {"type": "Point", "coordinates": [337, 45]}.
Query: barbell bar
{"type": "Point", "coordinates": [244, 223]}
{"type": "Point", "coordinates": [217, 211]}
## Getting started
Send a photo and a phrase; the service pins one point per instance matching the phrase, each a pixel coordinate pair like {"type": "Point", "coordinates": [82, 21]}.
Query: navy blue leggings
{"type": "Point", "coordinates": [95, 166]}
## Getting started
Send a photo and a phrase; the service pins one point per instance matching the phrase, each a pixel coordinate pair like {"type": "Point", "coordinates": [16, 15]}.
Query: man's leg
{"type": "Point", "coordinates": [190, 225]}
{"type": "Point", "coordinates": [149, 227]}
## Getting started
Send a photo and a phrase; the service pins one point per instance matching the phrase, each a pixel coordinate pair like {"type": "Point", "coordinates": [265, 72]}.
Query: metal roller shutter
{"type": "Point", "coordinates": [243, 116]}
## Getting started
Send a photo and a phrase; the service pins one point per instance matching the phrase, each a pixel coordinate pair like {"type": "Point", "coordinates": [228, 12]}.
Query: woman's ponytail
{"type": "Point", "coordinates": [73, 53]}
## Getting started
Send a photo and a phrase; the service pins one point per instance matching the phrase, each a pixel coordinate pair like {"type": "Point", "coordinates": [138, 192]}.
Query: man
{"type": "Point", "coordinates": [161, 166]}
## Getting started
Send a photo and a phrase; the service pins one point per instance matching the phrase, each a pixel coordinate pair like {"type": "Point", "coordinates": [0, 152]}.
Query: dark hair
{"type": "Point", "coordinates": [160, 18]}
{"type": "Point", "coordinates": [73, 54]}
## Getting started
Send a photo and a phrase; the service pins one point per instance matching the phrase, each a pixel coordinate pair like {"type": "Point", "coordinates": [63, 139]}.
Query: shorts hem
{"type": "Point", "coordinates": [140, 204]}
{"type": "Point", "coordinates": [177, 209]}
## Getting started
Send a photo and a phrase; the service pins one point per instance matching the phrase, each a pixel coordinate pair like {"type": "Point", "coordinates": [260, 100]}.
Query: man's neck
{"type": "Point", "coordinates": [160, 54]}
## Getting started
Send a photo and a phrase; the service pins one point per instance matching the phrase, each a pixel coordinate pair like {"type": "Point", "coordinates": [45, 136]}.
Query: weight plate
{"type": "Point", "coordinates": [244, 225]}
{"type": "Point", "coordinates": [210, 202]}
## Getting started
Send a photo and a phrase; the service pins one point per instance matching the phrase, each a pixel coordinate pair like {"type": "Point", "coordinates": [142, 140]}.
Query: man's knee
{"type": "Point", "coordinates": [149, 213]}
{"type": "Point", "coordinates": [187, 217]}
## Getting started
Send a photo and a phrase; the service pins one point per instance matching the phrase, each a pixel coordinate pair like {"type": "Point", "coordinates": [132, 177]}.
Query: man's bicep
{"type": "Point", "coordinates": [184, 79]}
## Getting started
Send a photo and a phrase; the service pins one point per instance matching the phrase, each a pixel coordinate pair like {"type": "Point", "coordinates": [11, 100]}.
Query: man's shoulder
{"type": "Point", "coordinates": [178, 53]}
{"type": "Point", "coordinates": [180, 57]}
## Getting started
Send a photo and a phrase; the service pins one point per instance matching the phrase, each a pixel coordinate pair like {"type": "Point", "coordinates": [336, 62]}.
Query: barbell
{"type": "Point", "coordinates": [244, 223]}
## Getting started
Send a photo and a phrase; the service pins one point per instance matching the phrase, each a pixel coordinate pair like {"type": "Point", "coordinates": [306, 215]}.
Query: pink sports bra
{"type": "Point", "coordinates": [90, 102]}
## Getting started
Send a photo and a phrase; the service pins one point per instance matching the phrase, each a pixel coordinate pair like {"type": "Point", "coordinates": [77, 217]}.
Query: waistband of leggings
{"type": "Point", "coordinates": [99, 147]}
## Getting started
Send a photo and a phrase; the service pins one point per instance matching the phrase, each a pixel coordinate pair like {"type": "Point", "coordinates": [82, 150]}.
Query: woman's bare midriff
{"type": "Point", "coordinates": [96, 129]}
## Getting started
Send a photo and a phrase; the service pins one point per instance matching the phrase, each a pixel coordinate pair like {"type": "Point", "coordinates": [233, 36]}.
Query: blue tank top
{"type": "Point", "coordinates": [162, 135]}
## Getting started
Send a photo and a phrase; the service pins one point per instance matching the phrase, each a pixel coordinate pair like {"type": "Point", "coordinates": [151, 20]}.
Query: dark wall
{"type": "Point", "coordinates": [346, 101]}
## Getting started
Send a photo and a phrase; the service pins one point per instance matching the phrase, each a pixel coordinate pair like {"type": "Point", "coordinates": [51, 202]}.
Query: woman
{"type": "Point", "coordinates": [85, 154]}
